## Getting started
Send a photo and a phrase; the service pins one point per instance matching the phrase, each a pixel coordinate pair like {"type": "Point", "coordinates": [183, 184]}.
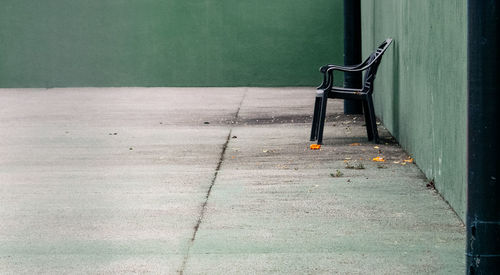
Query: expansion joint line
{"type": "Point", "coordinates": [209, 191]}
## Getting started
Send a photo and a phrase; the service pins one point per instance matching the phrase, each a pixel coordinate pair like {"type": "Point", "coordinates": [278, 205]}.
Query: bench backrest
{"type": "Point", "coordinates": [371, 72]}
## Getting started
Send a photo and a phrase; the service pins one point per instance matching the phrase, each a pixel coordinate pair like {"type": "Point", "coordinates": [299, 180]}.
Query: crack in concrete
{"type": "Point", "coordinates": [209, 191]}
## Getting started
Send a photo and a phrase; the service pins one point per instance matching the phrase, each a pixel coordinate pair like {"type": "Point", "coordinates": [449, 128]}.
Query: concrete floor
{"type": "Point", "coordinates": [208, 181]}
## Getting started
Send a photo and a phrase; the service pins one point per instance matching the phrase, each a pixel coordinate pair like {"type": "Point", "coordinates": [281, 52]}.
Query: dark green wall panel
{"type": "Point", "coordinates": [421, 87]}
{"type": "Point", "coordinates": [49, 43]}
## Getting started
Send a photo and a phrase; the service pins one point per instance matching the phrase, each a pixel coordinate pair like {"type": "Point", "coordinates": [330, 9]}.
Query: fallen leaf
{"type": "Point", "coordinates": [378, 159]}
{"type": "Point", "coordinates": [376, 147]}
{"type": "Point", "coordinates": [355, 144]}
{"type": "Point", "coordinates": [410, 160]}
{"type": "Point", "coordinates": [315, 146]}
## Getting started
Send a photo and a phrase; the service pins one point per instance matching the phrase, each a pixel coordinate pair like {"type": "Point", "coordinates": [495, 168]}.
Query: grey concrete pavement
{"type": "Point", "coordinates": [145, 180]}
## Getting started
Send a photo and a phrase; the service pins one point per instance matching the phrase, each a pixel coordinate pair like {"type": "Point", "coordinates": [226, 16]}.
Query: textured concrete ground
{"type": "Point", "coordinates": [209, 181]}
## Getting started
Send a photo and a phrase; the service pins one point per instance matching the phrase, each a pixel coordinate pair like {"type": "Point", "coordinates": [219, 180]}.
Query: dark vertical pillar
{"type": "Point", "coordinates": [352, 51]}
{"type": "Point", "coordinates": [483, 189]}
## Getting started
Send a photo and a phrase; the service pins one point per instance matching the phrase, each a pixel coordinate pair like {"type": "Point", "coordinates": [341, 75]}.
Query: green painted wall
{"type": "Point", "coordinates": [47, 43]}
{"type": "Point", "coordinates": [420, 92]}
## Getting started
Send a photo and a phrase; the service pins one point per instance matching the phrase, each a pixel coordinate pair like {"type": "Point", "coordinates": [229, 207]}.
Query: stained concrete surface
{"type": "Point", "coordinates": [209, 181]}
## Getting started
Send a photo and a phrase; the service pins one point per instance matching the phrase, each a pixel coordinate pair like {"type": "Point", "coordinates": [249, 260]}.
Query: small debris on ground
{"type": "Point", "coordinates": [282, 166]}
{"type": "Point", "coordinates": [234, 137]}
{"type": "Point", "coordinates": [206, 122]}
{"type": "Point", "coordinates": [337, 174]}
{"type": "Point", "coordinates": [354, 165]}
{"type": "Point", "coordinates": [355, 144]}
{"type": "Point", "coordinates": [430, 185]}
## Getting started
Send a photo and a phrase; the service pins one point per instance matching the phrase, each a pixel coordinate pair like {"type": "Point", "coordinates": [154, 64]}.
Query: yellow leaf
{"type": "Point", "coordinates": [315, 146]}
{"type": "Point", "coordinates": [410, 160]}
{"type": "Point", "coordinates": [378, 159]}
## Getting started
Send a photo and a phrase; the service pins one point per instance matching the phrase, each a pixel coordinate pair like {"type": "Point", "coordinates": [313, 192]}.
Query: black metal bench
{"type": "Point", "coordinates": [327, 90]}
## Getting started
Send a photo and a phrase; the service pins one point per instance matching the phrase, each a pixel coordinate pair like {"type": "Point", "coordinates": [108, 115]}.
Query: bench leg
{"type": "Point", "coordinates": [373, 119]}
{"type": "Point", "coordinates": [317, 110]}
{"type": "Point", "coordinates": [322, 117]}
{"type": "Point", "coordinates": [368, 123]}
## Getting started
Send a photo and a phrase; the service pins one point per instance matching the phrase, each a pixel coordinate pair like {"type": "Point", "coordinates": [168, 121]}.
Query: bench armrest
{"type": "Point", "coordinates": [327, 70]}
{"type": "Point", "coordinates": [323, 69]}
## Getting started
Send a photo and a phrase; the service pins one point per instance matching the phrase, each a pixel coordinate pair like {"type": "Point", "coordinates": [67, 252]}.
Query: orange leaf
{"type": "Point", "coordinates": [315, 146]}
{"type": "Point", "coordinates": [410, 160]}
{"type": "Point", "coordinates": [355, 144]}
{"type": "Point", "coordinates": [378, 159]}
